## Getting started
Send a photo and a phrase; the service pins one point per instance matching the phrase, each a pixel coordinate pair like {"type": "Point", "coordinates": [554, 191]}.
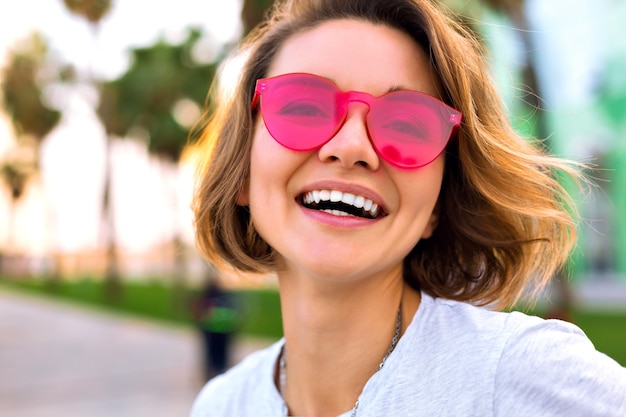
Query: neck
{"type": "Point", "coordinates": [336, 337]}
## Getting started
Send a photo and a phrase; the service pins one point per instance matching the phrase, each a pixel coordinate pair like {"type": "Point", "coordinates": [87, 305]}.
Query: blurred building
{"type": "Point", "coordinates": [578, 52]}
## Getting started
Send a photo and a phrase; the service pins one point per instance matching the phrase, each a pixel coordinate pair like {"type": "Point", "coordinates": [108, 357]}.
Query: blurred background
{"type": "Point", "coordinates": [103, 299]}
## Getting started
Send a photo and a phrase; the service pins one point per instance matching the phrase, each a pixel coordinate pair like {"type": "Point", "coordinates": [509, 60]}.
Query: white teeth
{"type": "Point", "coordinates": [336, 196]}
{"type": "Point", "coordinates": [336, 212]}
{"type": "Point", "coordinates": [348, 198]}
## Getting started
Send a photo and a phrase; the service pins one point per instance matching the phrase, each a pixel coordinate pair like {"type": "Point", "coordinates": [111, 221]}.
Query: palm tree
{"type": "Point", "coordinates": [162, 82]}
{"type": "Point", "coordinates": [32, 119]}
{"type": "Point", "coordinates": [94, 11]}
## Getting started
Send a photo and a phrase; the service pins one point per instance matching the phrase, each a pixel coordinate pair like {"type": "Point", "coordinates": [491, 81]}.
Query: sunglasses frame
{"type": "Point", "coordinates": [452, 124]}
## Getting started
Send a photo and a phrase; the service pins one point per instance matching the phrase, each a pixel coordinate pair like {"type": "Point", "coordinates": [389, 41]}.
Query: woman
{"type": "Point", "coordinates": [364, 158]}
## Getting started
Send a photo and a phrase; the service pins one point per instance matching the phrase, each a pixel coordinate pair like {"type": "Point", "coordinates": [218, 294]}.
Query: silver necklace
{"type": "Point", "coordinates": [282, 365]}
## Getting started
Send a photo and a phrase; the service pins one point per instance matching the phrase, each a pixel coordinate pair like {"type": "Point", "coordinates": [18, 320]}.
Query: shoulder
{"type": "Point", "coordinates": [462, 342]}
{"type": "Point", "coordinates": [482, 325]}
{"type": "Point", "coordinates": [450, 350]}
{"type": "Point", "coordinates": [551, 367]}
{"type": "Point", "coordinates": [248, 384]}
{"type": "Point", "coordinates": [445, 320]}
{"type": "Point", "coordinates": [510, 363]}
{"type": "Point", "coordinates": [514, 339]}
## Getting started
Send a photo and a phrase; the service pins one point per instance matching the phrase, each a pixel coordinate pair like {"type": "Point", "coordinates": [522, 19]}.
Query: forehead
{"type": "Point", "coordinates": [357, 55]}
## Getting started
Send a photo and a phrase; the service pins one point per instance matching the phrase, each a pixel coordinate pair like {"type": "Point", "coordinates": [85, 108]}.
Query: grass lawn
{"type": "Point", "coordinates": [607, 331]}
{"type": "Point", "coordinates": [155, 300]}
{"type": "Point", "coordinates": [261, 309]}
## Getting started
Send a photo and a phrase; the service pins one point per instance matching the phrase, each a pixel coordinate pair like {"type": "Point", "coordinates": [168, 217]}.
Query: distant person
{"type": "Point", "coordinates": [364, 156]}
{"type": "Point", "coordinates": [216, 315]}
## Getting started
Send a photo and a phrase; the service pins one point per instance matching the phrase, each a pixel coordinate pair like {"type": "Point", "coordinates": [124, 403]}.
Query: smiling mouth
{"type": "Point", "coordinates": [341, 204]}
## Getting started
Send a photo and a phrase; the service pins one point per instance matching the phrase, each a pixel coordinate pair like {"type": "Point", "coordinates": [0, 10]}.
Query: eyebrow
{"type": "Point", "coordinates": [397, 87]}
{"type": "Point", "coordinates": [392, 89]}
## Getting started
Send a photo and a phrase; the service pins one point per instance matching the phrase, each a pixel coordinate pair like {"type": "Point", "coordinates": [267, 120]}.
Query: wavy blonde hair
{"type": "Point", "coordinates": [505, 220]}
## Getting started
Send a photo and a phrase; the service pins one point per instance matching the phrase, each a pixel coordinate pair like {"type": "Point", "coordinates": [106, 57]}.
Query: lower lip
{"type": "Point", "coordinates": [338, 221]}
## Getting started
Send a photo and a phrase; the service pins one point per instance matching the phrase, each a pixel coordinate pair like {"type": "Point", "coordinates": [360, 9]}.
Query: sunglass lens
{"type": "Point", "coordinates": [300, 112]}
{"type": "Point", "coordinates": [406, 129]}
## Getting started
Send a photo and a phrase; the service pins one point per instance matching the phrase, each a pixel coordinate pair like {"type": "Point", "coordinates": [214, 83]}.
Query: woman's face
{"type": "Point", "coordinates": [360, 56]}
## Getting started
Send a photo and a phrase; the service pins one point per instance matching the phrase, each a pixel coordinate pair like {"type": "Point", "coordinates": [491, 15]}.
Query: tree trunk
{"type": "Point", "coordinates": [112, 284]}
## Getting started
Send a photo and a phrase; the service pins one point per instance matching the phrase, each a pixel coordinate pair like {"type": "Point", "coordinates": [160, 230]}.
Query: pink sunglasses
{"type": "Point", "coordinates": [408, 129]}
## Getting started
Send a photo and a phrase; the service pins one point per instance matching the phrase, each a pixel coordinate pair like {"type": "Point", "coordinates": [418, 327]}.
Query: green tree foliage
{"type": "Point", "coordinates": [92, 10]}
{"type": "Point", "coordinates": [160, 77]}
{"type": "Point", "coordinates": [31, 117]}
{"type": "Point", "coordinates": [22, 93]}
{"type": "Point", "coordinates": [612, 92]}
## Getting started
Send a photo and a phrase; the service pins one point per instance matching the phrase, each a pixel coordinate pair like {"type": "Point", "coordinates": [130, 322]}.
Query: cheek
{"type": "Point", "coordinates": [264, 155]}
{"type": "Point", "coordinates": [422, 189]}
{"type": "Point", "coordinates": [270, 162]}
{"type": "Point", "coordinates": [269, 166]}
{"type": "Point", "coordinates": [434, 192]}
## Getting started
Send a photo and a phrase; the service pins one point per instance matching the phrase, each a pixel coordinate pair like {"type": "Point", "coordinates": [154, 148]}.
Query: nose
{"type": "Point", "coordinates": [351, 145]}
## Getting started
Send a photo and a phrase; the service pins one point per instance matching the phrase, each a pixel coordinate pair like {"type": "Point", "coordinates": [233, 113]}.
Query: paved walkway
{"type": "Point", "coordinates": [60, 360]}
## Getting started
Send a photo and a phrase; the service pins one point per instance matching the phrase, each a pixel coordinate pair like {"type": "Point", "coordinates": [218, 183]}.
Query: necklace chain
{"type": "Point", "coordinates": [282, 365]}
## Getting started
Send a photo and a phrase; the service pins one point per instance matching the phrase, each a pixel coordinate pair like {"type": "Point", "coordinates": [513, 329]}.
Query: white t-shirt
{"type": "Point", "coordinates": [454, 359]}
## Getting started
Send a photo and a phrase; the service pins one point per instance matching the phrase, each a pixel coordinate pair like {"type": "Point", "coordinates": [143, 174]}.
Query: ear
{"type": "Point", "coordinates": [430, 226]}
{"type": "Point", "coordinates": [243, 197]}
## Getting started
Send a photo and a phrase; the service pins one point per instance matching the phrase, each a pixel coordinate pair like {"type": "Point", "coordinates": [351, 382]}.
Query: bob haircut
{"type": "Point", "coordinates": [504, 221]}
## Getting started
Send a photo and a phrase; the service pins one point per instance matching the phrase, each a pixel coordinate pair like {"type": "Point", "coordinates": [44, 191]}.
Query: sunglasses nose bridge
{"type": "Point", "coordinates": [355, 97]}
{"type": "Point", "coordinates": [358, 97]}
